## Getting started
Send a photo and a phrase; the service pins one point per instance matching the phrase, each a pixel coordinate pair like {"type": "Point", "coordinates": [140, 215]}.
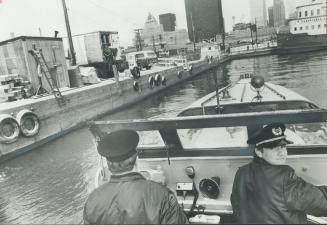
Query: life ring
{"type": "Point", "coordinates": [9, 129]}
{"type": "Point", "coordinates": [180, 74]}
{"type": "Point", "coordinates": [157, 79]}
{"type": "Point", "coordinates": [28, 122]}
{"type": "Point", "coordinates": [136, 86]}
{"type": "Point", "coordinates": [190, 69]}
{"type": "Point", "coordinates": [163, 81]}
{"type": "Point", "coordinates": [151, 82]}
{"type": "Point", "coordinates": [136, 72]}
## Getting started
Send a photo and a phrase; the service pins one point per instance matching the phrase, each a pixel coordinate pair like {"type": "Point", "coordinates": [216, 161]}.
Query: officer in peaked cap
{"type": "Point", "coordinates": [268, 183]}
{"type": "Point", "coordinates": [270, 136]}
{"type": "Point", "coordinates": [118, 146]}
{"type": "Point", "coordinates": [128, 198]}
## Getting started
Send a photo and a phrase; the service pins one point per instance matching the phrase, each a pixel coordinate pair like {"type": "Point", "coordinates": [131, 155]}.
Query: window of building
{"type": "Point", "coordinates": [307, 27]}
{"type": "Point", "coordinates": [306, 13]}
{"type": "Point", "coordinates": [318, 12]}
{"type": "Point", "coordinates": [300, 14]}
{"type": "Point", "coordinates": [312, 12]}
{"type": "Point", "coordinates": [325, 25]}
{"type": "Point", "coordinates": [319, 26]}
{"type": "Point", "coordinates": [301, 28]}
{"type": "Point", "coordinates": [312, 27]}
{"type": "Point", "coordinates": [295, 28]}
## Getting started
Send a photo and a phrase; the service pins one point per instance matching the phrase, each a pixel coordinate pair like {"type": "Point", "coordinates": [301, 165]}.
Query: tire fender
{"type": "Point", "coordinates": [163, 81]}
{"type": "Point", "coordinates": [136, 86]}
{"type": "Point", "coordinates": [180, 74]}
{"type": "Point", "coordinates": [157, 79]}
{"type": "Point", "coordinates": [29, 123]}
{"type": "Point", "coordinates": [9, 129]}
{"type": "Point", "coordinates": [151, 81]}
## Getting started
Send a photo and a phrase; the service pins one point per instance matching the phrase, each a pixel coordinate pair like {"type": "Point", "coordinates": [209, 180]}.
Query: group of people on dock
{"type": "Point", "coordinates": [264, 191]}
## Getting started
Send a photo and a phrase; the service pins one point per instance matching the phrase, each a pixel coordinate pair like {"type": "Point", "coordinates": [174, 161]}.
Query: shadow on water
{"type": "Point", "coordinates": [51, 183]}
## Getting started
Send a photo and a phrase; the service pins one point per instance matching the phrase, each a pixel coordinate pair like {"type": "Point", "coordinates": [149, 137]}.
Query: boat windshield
{"type": "Point", "coordinates": [220, 138]}
{"type": "Point", "coordinates": [249, 107]}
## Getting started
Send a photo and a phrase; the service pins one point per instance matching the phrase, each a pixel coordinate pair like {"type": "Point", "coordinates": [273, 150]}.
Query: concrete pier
{"type": "Point", "coordinates": [89, 102]}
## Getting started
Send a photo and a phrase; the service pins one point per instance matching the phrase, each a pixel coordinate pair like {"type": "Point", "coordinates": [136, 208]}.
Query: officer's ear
{"type": "Point", "coordinates": [258, 152]}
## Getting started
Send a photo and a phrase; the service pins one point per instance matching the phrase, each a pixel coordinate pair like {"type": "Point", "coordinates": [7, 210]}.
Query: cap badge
{"type": "Point", "coordinates": [277, 131]}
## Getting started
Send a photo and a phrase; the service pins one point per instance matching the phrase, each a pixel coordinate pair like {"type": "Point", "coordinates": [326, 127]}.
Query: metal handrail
{"type": "Point", "coordinates": [209, 99]}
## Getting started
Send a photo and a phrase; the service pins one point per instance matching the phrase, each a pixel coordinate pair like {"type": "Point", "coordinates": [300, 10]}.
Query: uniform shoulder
{"type": "Point", "coordinates": [287, 170]}
{"type": "Point", "coordinates": [156, 185]}
{"type": "Point", "coordinates": [97, 194]}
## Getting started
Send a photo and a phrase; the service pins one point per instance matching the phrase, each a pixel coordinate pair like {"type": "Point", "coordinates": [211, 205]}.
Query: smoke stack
{"type": "Point", "coordinates": [56, 33]}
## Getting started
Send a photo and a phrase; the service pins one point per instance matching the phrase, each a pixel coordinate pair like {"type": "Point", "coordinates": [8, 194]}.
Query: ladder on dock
{"type": "Point", "coordinates": [39, 58]}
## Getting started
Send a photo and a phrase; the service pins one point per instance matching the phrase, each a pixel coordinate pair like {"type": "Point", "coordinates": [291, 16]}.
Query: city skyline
{"type": "Point", "coordinates": [90, 15]}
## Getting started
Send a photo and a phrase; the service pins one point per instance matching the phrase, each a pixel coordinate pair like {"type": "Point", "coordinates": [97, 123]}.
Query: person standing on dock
{"type": "Point", "coordinates": [128, 198]}
{"type": "Point", "coordinates": [268, 191]}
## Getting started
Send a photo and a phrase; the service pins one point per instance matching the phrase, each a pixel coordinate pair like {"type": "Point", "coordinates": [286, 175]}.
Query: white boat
{"type": "Point", "coordinates": [206, 150]}
{"type": "Point", "coordinates": [249, 94]}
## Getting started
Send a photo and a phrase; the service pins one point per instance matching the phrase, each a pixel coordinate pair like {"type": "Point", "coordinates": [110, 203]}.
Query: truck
{"type": "Point", "coordinates": [141, 60]}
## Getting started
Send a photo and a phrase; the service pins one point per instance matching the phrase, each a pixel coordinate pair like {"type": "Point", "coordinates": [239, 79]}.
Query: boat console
{"type": "Point", "coordinates": [197, 157]}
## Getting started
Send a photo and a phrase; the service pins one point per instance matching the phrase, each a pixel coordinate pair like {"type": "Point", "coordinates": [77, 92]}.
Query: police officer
{"type": "Point", "coordinates": [268, 191]}
{"type": "Point", "coordinates": [128, 198]}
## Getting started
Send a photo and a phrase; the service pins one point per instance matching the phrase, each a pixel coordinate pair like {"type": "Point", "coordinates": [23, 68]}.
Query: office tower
{"type": "Point", "coordinates": [279, 13]}
{"type": "Point", "coordinates": [168, 21]}
{"type": "Point", "coordinates": [271, 16]}
{"type": "Point", "coordinates": [204, 19]}
{"type": "Point", "coordinates": [258, 12]}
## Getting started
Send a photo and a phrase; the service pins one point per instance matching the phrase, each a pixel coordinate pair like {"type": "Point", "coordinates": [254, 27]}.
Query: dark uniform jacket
{"type": "Point", "coordinates": [264, 193]}
{"type": "Point", "coordinates": [130, 199]}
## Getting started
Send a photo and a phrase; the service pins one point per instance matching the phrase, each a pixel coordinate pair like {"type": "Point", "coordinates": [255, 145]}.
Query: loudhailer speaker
{"type": "Point", "coordinates": [209, 187]}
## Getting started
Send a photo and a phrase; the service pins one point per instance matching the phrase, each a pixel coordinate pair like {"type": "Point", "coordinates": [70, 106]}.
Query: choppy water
{"type": "Point", "coordinates": [50, 184]}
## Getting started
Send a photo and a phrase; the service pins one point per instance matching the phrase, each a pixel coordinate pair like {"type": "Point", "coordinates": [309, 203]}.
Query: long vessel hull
{"type": "Point", "coordinates": [297, 43]}
{"type": "Point", "coordinates": [88, 103]}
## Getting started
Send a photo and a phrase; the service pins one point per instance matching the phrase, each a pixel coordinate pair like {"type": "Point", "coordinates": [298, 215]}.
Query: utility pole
{"type": "Point", "coordinates": [251, 27]}
{"type": "Point", "coordinates": [138, 41]}
{"type": "Point", "coordinates": [222, 28]}
{"type": "Point", "coordinates": [69, 34]}
{"type": "Point", "coordinates": [193, 30]}
{"type": "Point", "coordinates": [154, 45]}
{"type": "Point", "coordinates": [256, 32]}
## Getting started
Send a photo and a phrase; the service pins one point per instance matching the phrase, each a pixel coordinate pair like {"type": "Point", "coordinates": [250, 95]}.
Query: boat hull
{"type": "Point", "coordinates": [297, 43]}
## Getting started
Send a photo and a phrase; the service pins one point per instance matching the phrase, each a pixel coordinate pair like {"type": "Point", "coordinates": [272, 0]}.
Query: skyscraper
{"type": "Point", "coordinates": [258, 12]}
{"type": "Point", "coordinates": [168, 21]}
{"type": "Point", "coordinates": [271, 16]}
{"type": "Point", "coordinates": [204, 19]}
{"type": "Point", "coordinates": [279, 13]}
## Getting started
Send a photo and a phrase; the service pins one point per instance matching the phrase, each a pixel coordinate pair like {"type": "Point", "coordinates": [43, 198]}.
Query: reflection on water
{"type": "Point", "coordinates": [51, 183]}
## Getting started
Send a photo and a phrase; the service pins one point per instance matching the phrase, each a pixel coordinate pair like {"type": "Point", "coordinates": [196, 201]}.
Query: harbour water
{"type": "Point", "coordinates": [50, 184]}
